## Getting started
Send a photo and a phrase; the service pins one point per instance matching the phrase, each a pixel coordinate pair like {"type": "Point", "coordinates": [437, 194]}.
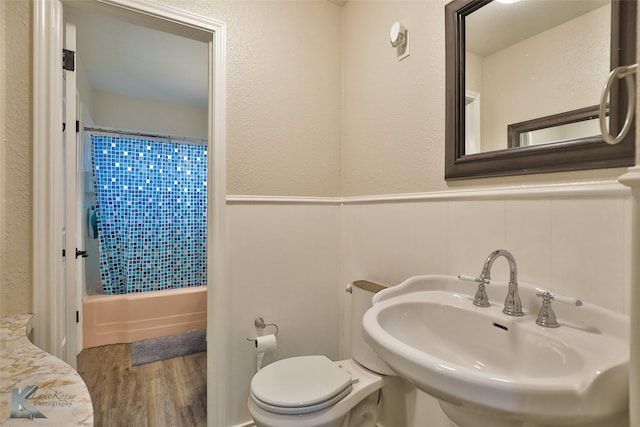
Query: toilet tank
{"type": "Point", "coordinates": [362, 292]}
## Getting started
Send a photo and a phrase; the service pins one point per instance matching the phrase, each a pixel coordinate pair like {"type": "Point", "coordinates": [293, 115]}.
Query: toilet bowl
{"type": "Point", "coordinates": [313, 391]}
{"type": "Point", "coordinates": [301, 400]}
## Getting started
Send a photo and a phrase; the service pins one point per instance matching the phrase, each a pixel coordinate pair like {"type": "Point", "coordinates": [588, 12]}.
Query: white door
{"type": "Point", "coordinates": [71, 294]}
{"type": "Point", "coordinates": [80, 217]}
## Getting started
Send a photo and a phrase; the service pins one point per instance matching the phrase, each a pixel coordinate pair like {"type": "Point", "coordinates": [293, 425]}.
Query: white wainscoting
{"type": "Point", "coordinates": [291, 257]}
{"type": "Point", "coordinates": [572, 239]}
{"type": "Point", "coordinates": [284, 266]}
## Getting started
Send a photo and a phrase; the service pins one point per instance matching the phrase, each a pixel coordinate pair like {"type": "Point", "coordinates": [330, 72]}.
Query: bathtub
{"type": "Point", "coordinates": [111, 319]}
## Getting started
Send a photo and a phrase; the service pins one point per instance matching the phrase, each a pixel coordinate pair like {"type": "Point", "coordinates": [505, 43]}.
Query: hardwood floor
{"type": "Point", "coordinates": [171, 393]}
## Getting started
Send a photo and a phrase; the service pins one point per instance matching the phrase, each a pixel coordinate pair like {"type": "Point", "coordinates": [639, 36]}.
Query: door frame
{"type": "Point", "coordinates": [69, 323]}
{"type": "Point", "coordinates": [47, 188]}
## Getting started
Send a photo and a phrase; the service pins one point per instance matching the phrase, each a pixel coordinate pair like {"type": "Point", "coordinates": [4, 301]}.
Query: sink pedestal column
{"type": "Point", "coordinates": [632, 179]}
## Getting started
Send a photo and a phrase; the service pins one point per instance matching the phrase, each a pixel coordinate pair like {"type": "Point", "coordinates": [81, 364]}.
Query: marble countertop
{"type": "Point", "coordinates": [60, 398]}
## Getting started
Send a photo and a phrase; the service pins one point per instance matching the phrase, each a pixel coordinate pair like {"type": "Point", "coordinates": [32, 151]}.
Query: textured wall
{"type": "Point", "coordinates": [16, 158]}
{"type": "Point", "coordinates": [393, 124]}
{"type": "Point", "coordinates": [125, 112]}
{"type": "Point", "coordinates": [3, 143]}
{"type": "Point", "coordinates": [583, 41]}
{"type": "Point", "coordinates": [84, 86]}
{"type": "Point", "coordinates": [284, 89]}
{"type": "Point", "coordinates": [394, 112]}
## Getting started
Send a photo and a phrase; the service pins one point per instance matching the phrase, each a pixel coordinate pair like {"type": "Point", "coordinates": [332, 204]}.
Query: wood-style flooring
{"type": "Point", "coordinates": [171, 393]}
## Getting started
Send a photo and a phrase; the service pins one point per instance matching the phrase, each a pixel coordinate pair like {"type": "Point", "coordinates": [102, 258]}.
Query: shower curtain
{"type": "Point", "coordinates": [151, 202]}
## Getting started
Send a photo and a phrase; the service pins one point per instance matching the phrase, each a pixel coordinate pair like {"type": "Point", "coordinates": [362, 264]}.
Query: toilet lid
{"type": "Point", "coordinates": [300, 382]}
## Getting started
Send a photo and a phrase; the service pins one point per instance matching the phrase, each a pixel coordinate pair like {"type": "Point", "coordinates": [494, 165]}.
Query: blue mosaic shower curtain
{"type": "Point", "coordinates": [151, 199]}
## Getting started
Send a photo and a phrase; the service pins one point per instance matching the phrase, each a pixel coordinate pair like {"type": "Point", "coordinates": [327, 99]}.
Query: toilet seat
{"type": "Point", "coordinates": [300, 385]}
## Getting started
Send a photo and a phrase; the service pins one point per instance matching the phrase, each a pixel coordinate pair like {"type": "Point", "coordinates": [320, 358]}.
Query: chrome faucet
{"type": "Point", "coordinates": [546, 316]}
{"type": "Point", "coordinates": [512, 304]}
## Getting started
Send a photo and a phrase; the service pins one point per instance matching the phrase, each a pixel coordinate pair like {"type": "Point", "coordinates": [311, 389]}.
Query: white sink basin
{"type": "Point", "coordinates": [483, 361]}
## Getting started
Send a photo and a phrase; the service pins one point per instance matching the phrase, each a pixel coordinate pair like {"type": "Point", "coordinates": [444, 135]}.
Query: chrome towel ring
{"type": "Point", "coordinates": [626, 72]}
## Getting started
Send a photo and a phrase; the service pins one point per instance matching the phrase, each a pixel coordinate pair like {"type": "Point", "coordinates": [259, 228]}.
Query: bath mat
{"type": "Point", "coordinates": [163, 348]}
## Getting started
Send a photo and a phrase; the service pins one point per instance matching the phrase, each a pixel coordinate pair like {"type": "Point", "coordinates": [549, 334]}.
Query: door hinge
{"type": "Point", "coordinates": [64, 253]}
{"type": "Point", "coordinates": [83, 254]}
{"type": "Point", "coordinates": [77, 126]}
{"type": "Point", "coordinates": [68, 60]}
{"type": "Point", "coordinates": [77, 316]}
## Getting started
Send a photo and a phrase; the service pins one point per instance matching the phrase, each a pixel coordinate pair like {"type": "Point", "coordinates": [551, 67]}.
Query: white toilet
{"type": "Point", "coordinates": [313, 391]}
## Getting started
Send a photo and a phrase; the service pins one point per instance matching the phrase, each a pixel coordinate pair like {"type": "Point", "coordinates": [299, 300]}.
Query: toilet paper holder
{"type": "Point", "coordinates": [259, 323]}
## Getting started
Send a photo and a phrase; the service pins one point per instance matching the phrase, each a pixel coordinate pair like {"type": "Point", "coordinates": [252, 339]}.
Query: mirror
{"type": "Point", "coordinates": [523, 83]}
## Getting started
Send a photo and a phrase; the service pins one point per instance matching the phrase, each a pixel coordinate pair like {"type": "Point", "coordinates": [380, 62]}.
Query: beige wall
{"type": "Point", "coordinates": [84, 86]}
{"type": "Point", "coordinates": [393, 112]}
{"type": "Point", "coordinates": [125, 112]}
{"type": "Point", "coordinates": [16, 158]}
{"type": "Point", "coordinates": [474, 72]}
{"type": "Point", "coordinates": [579, 53]}
{"type": "Point", "coordinates": [3, 143]}
{"type": "Point", "coordinates": [284, 89]}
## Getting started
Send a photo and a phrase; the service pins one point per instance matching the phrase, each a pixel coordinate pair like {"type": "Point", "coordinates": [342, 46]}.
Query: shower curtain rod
{"type": "Point", "coordinates": [147, 134]}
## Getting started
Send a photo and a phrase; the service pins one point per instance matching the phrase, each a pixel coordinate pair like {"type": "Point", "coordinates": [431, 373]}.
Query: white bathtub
{"type": "Point", "coordinates": [111, 319]}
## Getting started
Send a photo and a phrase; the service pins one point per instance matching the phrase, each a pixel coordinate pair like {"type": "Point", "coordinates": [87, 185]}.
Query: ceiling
{"type": "Point", "coordinates": [133, 60]}
{"type": "Point", "coordinates": [498, 25]}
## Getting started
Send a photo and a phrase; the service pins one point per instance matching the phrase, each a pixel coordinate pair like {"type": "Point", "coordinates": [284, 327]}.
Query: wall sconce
{"type": "Point", "coordinates": [399, 37]}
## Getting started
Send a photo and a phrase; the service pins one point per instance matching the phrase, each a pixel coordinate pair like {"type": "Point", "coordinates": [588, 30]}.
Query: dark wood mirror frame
{"type": "Point", "coordinates": [516, 130]}
{"type": "Point", "coordinates": [584, 153]}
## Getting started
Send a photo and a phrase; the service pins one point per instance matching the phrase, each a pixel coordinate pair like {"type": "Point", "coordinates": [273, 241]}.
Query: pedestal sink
{"type": "Point", "coordinates": [484, 365]}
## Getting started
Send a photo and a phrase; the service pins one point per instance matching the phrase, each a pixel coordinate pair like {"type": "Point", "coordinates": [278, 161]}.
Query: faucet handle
{"type": "Point", "coordinates": [546, 316]}
{"type": "Point", "coordinates": [481, 299]}
{"type": "Point", "coordinates": [560, 298]}
{"type": "Point", "coordinates": [567, 300]}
